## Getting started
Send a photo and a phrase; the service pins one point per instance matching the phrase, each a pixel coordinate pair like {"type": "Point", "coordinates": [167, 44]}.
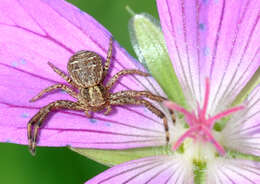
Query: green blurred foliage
{"type": "Point", "coordinates": [113, 15]}
{"type": "Point", "coordinates": [61, 165]}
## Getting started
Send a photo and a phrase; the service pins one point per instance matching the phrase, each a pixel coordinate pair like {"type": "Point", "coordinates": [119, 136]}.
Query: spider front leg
{"type": "Point", "coordinates": [109, 56]}
{"type": "Point", "coordinates": [36, 121]}
{"type": "Point", "coordinates": [133, 93]}
{"type": "Point", "coordinates": [54, 87]}
{"type": "Point", "coordinates": [172, 116]}
{"type": "Point", "coordinates": [146, 94]}
{"type": "Point", "coordinates": [113, 80]}
{"type": "Point", "coordinates": [125, 100]}
{"type": "Point", "coordinates": [62, 74]}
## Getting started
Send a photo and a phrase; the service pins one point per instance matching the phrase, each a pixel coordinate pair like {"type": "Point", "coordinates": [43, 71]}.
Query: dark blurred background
{"type": "Point", "coordinates": [61, 165]}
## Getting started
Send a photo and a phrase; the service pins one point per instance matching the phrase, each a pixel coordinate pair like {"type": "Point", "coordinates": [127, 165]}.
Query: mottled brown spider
{"type": "Point", "coordinates": [86, 74]}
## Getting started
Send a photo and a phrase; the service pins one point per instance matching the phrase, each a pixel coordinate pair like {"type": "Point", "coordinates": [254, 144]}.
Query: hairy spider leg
{"type": "Point", "coordinates": [112, 81]}
{"type": "Point", "coordinates": [172, 116]}
{"type": "Point", "coordinates": [36, 121]}
{"type": "Point", "coordinates": [127, 100]}
{"type": "Point", "coordinates": [109, 109]}
{"type": "Point", "coordinates": [54, 87]}
{"type": "Point", "coordinates": [133, 93]}
{"type": "Point", "coordinates": [62, 74]}
{"type": "Point", "coordinates": [109, 56]}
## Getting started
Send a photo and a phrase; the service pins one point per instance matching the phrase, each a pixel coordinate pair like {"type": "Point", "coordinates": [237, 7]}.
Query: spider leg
{"type": "Point", "coordinates": [146, 94]}
{"type": "Point", "coordinates": [109, 56]}
{"type": "Point", "coordinates": [54, 87]}
{"type": "Point", "coordinates": [172, 116]}
{"type": "Point", "coordinates": [87, 113]}
{"type": "Point", "coordinates": [124, 100]}
{"type": "Point", "coordinates": [133, 93]}
{"type": "Point", "coordinates": [109, 109]}
{"type": "Point", "coordinates": [112, 81]}
{"type": "Point", "coordinates": [36, 121]}
{"type": "Point", "coordinates": [62, 74]}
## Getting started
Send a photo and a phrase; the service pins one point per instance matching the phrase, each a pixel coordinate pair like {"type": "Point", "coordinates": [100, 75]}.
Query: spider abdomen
{"type": "Point", "coordinates": [85, 68]}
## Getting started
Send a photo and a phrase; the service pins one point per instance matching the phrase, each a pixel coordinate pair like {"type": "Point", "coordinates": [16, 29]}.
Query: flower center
{"type": "Point", "coordinates": [200, 125]}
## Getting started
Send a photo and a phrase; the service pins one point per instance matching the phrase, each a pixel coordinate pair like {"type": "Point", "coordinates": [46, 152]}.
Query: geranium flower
{"type": "Point", "coordinates": [214, 48]}
{"type": "Point", "coordinates": [35, 32]}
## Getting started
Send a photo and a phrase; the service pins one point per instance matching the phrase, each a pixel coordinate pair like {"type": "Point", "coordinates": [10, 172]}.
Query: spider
{"type": "Point", "coordinates": [87, 74]}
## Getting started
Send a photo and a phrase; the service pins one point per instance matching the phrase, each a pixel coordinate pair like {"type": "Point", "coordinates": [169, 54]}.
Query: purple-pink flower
{"type": "Point", "coordinates": [35, 32]}
{"type": "Point", "coordinates": [215, 51]}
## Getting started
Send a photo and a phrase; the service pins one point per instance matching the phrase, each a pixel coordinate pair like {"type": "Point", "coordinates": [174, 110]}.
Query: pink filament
{"type": "Point", "coordinates": [200, 126]}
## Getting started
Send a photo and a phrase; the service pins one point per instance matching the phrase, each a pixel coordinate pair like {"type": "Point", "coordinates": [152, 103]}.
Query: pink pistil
{"type": "Point", "coordinates": [200, 125]}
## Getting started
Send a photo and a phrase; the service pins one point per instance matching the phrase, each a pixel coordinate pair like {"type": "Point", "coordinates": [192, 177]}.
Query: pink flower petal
{"type": "Point", "coordinates": [216, 39]}
{"type": "Point", "coordinates": [35, 32]}
{"type": "Point", "coordinates": [181, 39]}
{"type": "Point", "coordinates": [242, 132]}
{"type": "Point", "coordinates": [154, 170]}
{"type": "Point", "coordinates": [230, 171]}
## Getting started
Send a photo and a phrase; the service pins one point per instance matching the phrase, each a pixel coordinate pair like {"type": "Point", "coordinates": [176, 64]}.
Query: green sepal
{"type": "Point", "coordinates": [250, 86]}
{"type": "Point", "coordinates": [238, 155]}
{"type": "Point", "coordinates": [149, 44]}
{"type": "Point", "coordinates": [114, 157]}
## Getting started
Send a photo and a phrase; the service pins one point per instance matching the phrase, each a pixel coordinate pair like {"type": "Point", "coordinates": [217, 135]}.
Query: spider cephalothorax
{"type": "Point", "coordinates": [86, 74]}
